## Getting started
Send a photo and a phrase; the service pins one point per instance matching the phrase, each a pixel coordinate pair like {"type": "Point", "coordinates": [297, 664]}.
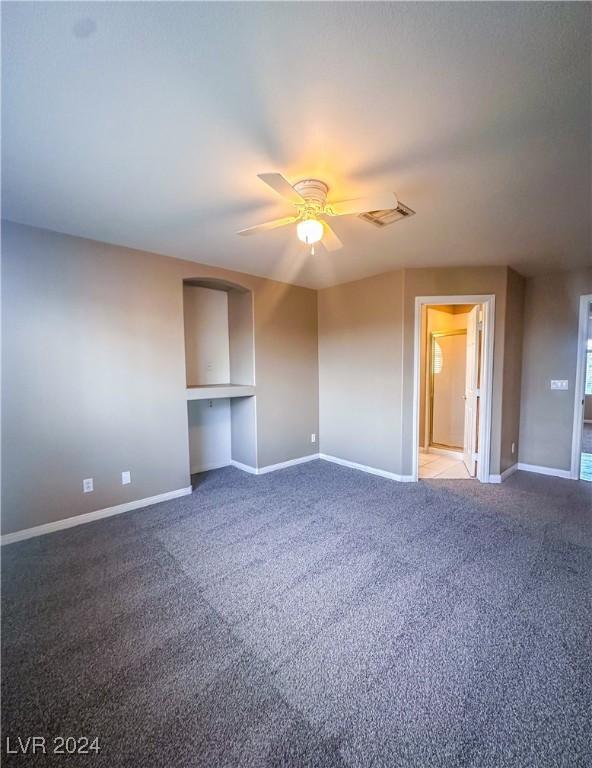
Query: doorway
{"type": "Point", "coordinates": [453, 382]}
{"type": "Point", "coordinates": [581, 464]}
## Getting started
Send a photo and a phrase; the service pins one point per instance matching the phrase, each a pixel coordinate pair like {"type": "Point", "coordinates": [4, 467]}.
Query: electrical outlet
{"type": "Point", "coordinates": [87, 485]}
{"type": "Point", "coordinates": [313, 438]}
{"type": "Point", "coordinates": [559, 383]}
{"type": "Point", "coordinates": [513, 448]}
{"type": "Point", "coordinates": [126, 477]}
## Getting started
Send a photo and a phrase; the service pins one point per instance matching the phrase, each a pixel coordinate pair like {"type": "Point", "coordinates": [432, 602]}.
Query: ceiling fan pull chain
{"type": "Point", "coordinates": [311, 245]}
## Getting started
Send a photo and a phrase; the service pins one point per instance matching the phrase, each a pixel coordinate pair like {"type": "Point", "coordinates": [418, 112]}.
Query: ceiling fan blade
{"type": "Point", "coordinates": [282, 186]}
{"type": "Point", "coordinates": [268, 225]}
{"type": "Point", "coordinates": [380, 202]}
{"type": "Point", "coordinates": [330, 239]}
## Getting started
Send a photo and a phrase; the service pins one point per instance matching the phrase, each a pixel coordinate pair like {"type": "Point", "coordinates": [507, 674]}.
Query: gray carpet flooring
{"type": "Point", "coordinates": [313, 617]}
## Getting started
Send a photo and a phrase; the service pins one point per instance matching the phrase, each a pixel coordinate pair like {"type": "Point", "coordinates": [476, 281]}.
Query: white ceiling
{"type": "Point", "coordinates": [144, 124]}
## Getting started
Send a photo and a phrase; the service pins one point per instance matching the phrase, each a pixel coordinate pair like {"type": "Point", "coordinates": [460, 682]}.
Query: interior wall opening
{"type": "Point", "coordinates": [585, 454]}
{"type": "Point", "coordinates": [220, 375]}
{"type": "Point", "coordinates": [450, 383]}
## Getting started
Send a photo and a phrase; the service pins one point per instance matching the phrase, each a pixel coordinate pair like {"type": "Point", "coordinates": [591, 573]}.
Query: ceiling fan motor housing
{"type": "Point", "coordinates": [313, 191]}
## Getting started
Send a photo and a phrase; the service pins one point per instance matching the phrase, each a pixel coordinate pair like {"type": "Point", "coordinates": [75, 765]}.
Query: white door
{"type": "Point", "coordinates": [471, 391]}
{"type": "Point", "coordinates": [448, 389]}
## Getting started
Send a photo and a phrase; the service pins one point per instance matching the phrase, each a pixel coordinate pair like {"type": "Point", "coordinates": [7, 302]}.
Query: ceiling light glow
{"type": "Point", "coordinates": [309, 231]}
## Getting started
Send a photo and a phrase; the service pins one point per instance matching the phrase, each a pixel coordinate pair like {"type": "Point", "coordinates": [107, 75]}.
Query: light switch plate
{"type": "Point", "coordinates": [559, 383]}
{"type": "Point", "coordinates": [126, 477]}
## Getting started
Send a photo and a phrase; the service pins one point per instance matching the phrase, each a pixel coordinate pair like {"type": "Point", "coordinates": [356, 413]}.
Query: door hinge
{"type": "Point", "coordinates": [475, 457]}
{"type": "Point", "coordinates": [477, 393]}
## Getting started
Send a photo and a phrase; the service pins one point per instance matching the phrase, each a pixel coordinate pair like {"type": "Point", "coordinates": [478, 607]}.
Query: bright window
{"type": "Point", "coordinates": [588, 389]}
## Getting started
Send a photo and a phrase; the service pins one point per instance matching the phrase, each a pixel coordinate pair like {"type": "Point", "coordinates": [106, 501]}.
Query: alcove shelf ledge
{"type": "Point", "coordinates": [217, 391]}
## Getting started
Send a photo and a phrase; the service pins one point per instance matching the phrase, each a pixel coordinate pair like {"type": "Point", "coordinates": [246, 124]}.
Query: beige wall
{"type": "Point", "coordinates": [93, 373]}
{"type": "Point", "coordinates": [449, 282]}
{"type": "Point", "coordinates": [535, 340]}
{"type": "Point", "coordinates": [93, 369]}
{"type": "Point", "coordinates": [360, 335]}
{"type": "Point", "coordinates": [286, 371]}
{"type": "Point", "coordinates": [511, 399]}
{"type": "Point", "coordinates": [551, 320]}
{"type": "Point", "coordinates": [210, 437]}
{"type": "Point", "coordinates": [207, 354]}
{"type": "Point", "coordinates": [366, 337]}
{"type": "Point", "coordinates": [366, 333]}
{"type": "Point", "coordinates": [241, 330]}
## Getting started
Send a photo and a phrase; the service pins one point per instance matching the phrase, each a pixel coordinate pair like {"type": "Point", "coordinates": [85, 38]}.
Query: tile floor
{"type": "Point", "coordinates": [586, 467]}
{"type": "Point", "coordinates": [586, 458]}
{"type": "Point", "coordinates": [435, 465]}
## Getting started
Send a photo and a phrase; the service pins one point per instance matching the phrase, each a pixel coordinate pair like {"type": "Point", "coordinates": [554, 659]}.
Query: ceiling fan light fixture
{"type": "Point", "coordinates": [309, 231]}
{"type": "Point", "coordinates": [309, 197]}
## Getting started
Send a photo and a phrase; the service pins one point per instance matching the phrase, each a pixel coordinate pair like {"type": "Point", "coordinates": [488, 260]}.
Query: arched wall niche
{"type": "Point", "coordinates": [220, 373]}
{"type": "Point", "coordinates": [219, 332]}
{"type": "Point", "coordinates": [216, 284]}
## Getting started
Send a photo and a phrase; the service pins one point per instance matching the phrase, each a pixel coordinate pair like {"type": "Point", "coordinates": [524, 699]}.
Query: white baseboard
{"type": "Point", "coordinates": [504, 475]}
{"type": "Point", "coordinates": [369, 470]}
{"type": "Point", "coordinates": [284, 464]}
{"type": "Point", "coordinates": [244, 467]}
{"type": "Point", "coordinates": [274, 467]}
{"type": "Point", "coordinates": [208, 467]}
{"type": "Point", "coordinates": [89, 517]}
{"type": "Point", "coordinates": [565, 473]}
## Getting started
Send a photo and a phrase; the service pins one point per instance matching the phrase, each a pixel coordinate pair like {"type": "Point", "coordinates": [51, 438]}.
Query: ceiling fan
{"type": "Point", "coordinates": [309, 197]}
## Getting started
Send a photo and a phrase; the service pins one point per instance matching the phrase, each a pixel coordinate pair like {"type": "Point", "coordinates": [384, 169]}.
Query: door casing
{"type": "Point", "coordinates": [579, 388]}
{"type": "Point", "coordinates": [486, 389]}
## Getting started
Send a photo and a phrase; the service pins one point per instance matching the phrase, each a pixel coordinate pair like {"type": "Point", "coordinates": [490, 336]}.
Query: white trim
{"type": "Point", "coordinates": [509, 471]}
{"type": "Point", "coordinates": [244, 467]}
{"type": "Point", "coordinates": [565, 473]}
{"type": "Point", "coordinates": [369, 470]}
{"type": "Point", "coordinates": [90, 517]}
{"type": "Point", "coordinates": [579, 388]}
{"type": "Point", "coordinates": [504, 475]}
{"type": "Point", "coordinates": [284, 464]}
{"type": "Point", "coordinates": [273, 467]}
{"type": "Point", "coordinates": [219, 391]}
{"type": "Point", "coordinates": [488, 303]}
{"type": "Point", "coordinates": [444, 452]}
{"type": "Point", "coordinates": [252, 292]}
{"type": "Point", "coordinates": [208, 467]}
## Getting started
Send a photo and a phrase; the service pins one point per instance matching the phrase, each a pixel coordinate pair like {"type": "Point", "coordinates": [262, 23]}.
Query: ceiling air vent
{"type": "Point", "coordinates": [388, 216]}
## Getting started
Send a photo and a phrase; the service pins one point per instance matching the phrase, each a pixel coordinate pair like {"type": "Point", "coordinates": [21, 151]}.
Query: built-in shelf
{"type": "Point", "coordinates": [219, 347]}
{"type": "Point", "coordinates": [216, 391]}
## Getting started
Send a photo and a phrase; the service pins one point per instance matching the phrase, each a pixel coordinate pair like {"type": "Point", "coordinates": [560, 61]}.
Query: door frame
{"type": "Point", "coordinates": [579, 387]}
{"type": "Point", "coordinates": [486, 392]}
